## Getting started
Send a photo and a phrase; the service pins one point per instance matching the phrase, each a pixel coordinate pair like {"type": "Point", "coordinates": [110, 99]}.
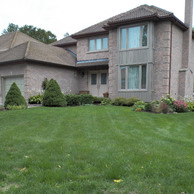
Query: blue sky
{"type": "Point", "coordinates": [61, 16]}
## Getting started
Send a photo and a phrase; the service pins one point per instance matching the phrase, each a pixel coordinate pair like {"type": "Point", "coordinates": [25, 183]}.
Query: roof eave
{"type": "Point", "coordinates": [84, 35]}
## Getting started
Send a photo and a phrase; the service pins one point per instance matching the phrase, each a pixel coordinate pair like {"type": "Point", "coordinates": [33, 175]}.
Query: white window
{"type": "Point", "coordinates": [134, 37]}
{"type": "Point", "coordinates": [98, 44]}
{"type": "Point", "coordinates": [133, 77]}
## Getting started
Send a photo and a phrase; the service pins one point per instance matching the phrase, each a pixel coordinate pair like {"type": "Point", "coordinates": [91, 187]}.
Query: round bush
{"type": "Point", "coordinates": [14, 97]}
{"type": "Point", "coordinates": [53, 95]}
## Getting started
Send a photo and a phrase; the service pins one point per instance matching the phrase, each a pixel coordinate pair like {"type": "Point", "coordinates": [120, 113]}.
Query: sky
{"type": "Point", "coordinates": [62, 16]}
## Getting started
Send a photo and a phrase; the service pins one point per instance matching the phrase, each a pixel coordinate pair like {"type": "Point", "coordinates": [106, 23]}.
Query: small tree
{"type": "Point", "coordinates": [14, 97]}
{"type": "Point", "coordinates": [45, 83]}
{"type": "Point", "coordinates": [53, 95]}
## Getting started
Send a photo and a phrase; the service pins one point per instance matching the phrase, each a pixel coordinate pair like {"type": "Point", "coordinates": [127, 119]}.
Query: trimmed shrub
{"type": "Point", "coordinates": [76, 100]}
{"type": "Point", "coordinates": [45, 83]}
{"type": "Point", "coordinates": [119, 101]}
{"type": "Point", "coordinates": [106, 101]}
{"type": "Point", "coordinates": [86, 99]}
{"type": "Point", "coordinates": [53, 96]}
{"type": "Point", "coordinates": [14, 97]}
{"type": "Point", "coordinates": [72, 99]}
{"type": "Point", "coordinates": [35, 99]}
{"type": "Point", "coordinates": [97, 100]}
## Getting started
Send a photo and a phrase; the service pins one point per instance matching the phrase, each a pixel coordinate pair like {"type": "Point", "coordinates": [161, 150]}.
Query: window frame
{"type": "Point", "coordinates": [95, 44]}
{"type": "Point", "coordinates": [127, 33]}
{"type": "Point", "coordinates": [126, 78]}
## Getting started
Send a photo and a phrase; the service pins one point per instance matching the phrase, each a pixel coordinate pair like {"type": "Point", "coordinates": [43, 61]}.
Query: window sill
{"type": "Point", "coordinates": [100, 51]}
{"type": "Point", "coordinates": [143, 90]}
{"type": "Point", "coordinates": [132, 49]}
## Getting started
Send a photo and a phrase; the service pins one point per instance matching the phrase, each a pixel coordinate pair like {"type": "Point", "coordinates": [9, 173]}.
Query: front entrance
{"type": "Point", "coordinates": [98, 82]}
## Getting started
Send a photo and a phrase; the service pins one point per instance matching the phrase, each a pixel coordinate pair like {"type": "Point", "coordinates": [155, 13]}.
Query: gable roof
{"type": "Point", "coordinates": [139, 14]}
{"type": "Point", "coordinates": [38, 52]}
{"type": "Point", "coordinates": [65, 42]}
{"type": "Point", "coordinates": [13, 39]}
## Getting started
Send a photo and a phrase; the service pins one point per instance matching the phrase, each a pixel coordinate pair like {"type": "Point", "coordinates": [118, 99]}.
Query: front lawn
{"type": "Point", "coordinates": [96, 149]}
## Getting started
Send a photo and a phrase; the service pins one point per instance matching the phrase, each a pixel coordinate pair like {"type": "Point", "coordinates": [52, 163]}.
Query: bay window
{"type": "Point", "coordinates": [134, 37]}
{"type": "Point", "coordinates": [133, 77]}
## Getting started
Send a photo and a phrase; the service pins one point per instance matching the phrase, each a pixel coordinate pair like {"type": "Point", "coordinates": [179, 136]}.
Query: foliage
{"type": "Point", "coordinates": [84, 149]}
{"type": "Point", "coordinates": [1, 107]}
{"type": "Point", "coordinates": [119, 101]}
{"type": "Point", "coordinates": [164, 108]}
{"type": "Point", "coordinates": [97, 99]}
{"type": "Point", "coordinates": [190, 106]}
{"type": "Point", "coordinates": [35, 99]}
{"type": "Point", "coordinates": [45, 83]}
{"type": "Point", "coordinates": [14, 97]}
{"type": "Point", "coordinates": [14, 107]}
{"type": "Point", "coordinates": [53, 95]}
{"type": "Point", "coordinates": [76, 100]}
{"type": "Point", "coordinates": [106, 101]}
{"type": "Point", "coordinates": [180, 106]}
{"type": "Point", "coordinates": [139, 106]}
{"type": "Point", "coordinates": [168, 100]}
{"type": "Point", "coordinates": [39, 34]}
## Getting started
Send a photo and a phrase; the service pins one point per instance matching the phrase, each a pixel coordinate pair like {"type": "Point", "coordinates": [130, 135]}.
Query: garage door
{"type": "Point", "coordinates": [8, 81]}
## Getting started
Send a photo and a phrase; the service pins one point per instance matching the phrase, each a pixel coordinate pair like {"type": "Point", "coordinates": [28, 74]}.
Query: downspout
{"type": "Point", "coordinates": [170, 64]}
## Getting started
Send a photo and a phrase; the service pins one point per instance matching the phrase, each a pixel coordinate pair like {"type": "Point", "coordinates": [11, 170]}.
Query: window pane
{"type": "Point", "coordinates": [105, 43]}
{"type": "Point", "coordinates": [123, 77]}
{"type": "Point", "coordinates": [92, 45]}
{"type": "Point", "coordinates": [144, 35]}
{"type": "Point", "coordinates": [103, 78]}
{"type": "Point", "coordinates": [133, 77]}
{"type": "Point", "coordinates": [143, 77]}
{"type": "Point", "coordinates": [93, 79]}
{"type": "Point", "coordinates": [123, 38]}
{"type": "Point", "coordinates": [134, 37]}
{"type": "Point", "coordinates": [98, 44]}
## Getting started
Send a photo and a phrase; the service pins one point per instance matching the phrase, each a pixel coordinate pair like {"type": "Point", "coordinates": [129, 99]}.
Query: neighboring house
{"type": "Point", "coordinates": [144, 53]}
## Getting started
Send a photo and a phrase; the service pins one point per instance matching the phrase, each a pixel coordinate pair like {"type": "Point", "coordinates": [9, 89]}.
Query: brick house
{"type": "Point", "coordinates": [145, 53]}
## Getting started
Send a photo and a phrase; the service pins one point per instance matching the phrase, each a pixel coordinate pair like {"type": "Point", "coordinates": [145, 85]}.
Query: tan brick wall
{"type": "Point", "coordinates": [83, 51]}
{"type": "Point", "coordinates": [113, 54]}
{"type": "Point", "coordinates": [35, 74]}
{"type": "Point", "coordinates": [162, 34]}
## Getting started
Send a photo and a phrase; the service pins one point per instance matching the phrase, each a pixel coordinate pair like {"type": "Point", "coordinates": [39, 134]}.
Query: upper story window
{"type": "Point", "coordinates": [134, 37]}
{"type": "Point", "coordinates": [98, 44]}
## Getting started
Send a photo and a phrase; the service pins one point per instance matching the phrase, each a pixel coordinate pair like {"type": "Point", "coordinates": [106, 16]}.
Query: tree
{"type": "Point", "coordinates": [14, 97]}
{"type": "Point", "coordinates": [46, 37]}
{"type": "Point", "coordinates": [53, 95]}
{"type": "Point", "coordinates": [66, 34]}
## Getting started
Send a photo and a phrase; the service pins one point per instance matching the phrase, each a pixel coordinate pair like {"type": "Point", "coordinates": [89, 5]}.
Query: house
{"type": "Point", "coordinates": [145, 53]}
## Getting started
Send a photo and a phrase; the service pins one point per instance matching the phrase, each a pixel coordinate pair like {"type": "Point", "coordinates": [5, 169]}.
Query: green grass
{"type": "Point", "coordinates": [84, 149]}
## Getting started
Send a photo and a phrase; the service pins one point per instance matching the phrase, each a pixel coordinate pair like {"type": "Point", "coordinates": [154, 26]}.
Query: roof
{"type": "Point", "coordinates": [65, 41]}
{"type": "Point", "coordinates": [139, 14]}
{"type": "Point", "coordinates": [13, 39]}
{"type": "Point", "coordinates": [38, 52]}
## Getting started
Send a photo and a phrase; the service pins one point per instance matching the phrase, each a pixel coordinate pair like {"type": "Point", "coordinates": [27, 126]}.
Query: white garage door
{"type": "Point", "coordinates": [8, 81]}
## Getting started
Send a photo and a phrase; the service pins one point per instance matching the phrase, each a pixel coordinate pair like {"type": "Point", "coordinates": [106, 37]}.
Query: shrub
{"type": "Point", "coordinates": [106, 101]}
{"type": "Point", "coordinates": [45, 83]}
{"type": "Point", "coordinates": [14, 97]}
{"type": "Point", "coordinates": [53, 96]}
{"type": "Point", "coordinates": [14, 107]}
{"type": "Point", "coordinates": [97, 99]}
{"type": "Point", "coordinates": [190, 106]}
{"type": "Point", "coordinates": [35, 99]}
{"type": "Point", "coordinates": [180, 106]}
{"type": "Point", "coordinates": [168, 100]}
{"type": "Point", "coordinates": [72, 99]}
{"type": "Point", "coordinates": [139, 106]}
{"type": "Point", "coordinates": [119, 101]}
{"type": "Point", "coordinates": [164, 108]}
{"type": "Point", "coordinates": [1, 107]}
{"type": "Point", "coordinates": [86, 99]}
